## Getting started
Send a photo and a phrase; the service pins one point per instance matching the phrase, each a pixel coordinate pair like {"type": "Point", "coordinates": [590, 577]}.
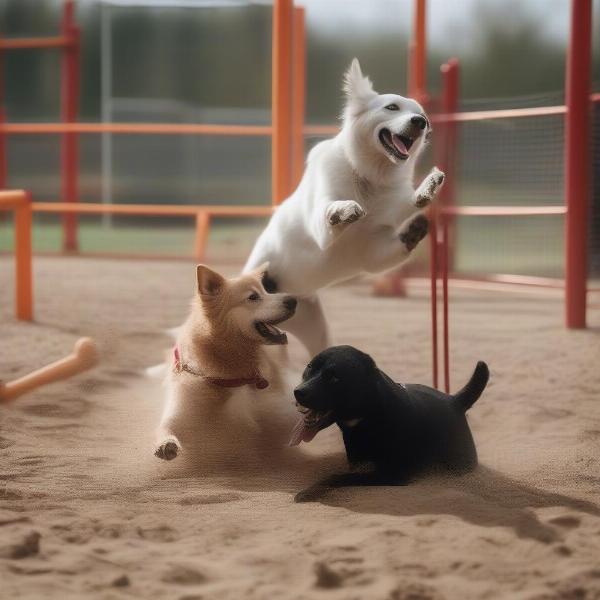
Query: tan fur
{"type": "Point", "coordinates": [219, 340]}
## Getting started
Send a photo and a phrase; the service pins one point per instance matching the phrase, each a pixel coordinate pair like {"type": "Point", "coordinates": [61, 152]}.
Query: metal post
{"type": "Point", "coordinates": [69, 112]}
{"type": "Point", "coordinates": [281, 100]}
{"type": "Point", "coordinates": [3, 146]}
{"type": "Point", "coordinates": [418, 53]}
{"type": "Point", "coordinates": [299, 94]}
{"type": "Point", "coordinates": [433, 271]}
{"type": "Point", "coordinates": [202, 232]}
{"type": "Point", "coordinates": [450, 72]}
{"type": "Point", "coordinates": [417, 88]}
{"type": "Point", "coordinates": [106, 66]}
{"type": "Point", "coordinates": [23, 270]}
{"type": "Point", "coordinates": [577, 162]}
{"type": "Point", "coordinates": [450, 87]}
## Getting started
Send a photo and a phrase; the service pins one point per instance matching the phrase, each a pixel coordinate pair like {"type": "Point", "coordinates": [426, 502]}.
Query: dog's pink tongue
{"type": "Point", "coordinates": [302, 433]}
{"type": "Point", "coordinates": [400, 145]}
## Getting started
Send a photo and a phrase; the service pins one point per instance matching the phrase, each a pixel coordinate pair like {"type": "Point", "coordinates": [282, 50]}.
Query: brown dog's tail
{"type": "Point", "coordinates": [466, 397]}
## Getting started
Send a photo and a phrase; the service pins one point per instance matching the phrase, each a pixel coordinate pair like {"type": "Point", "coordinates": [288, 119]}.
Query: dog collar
{"type": "Point", "coordinates": [256, 379]}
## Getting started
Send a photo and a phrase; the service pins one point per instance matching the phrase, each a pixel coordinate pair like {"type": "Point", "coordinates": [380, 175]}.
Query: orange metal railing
{"type": "Point", "coordinates": [19, 202]}
{"type": "Point", "coordinates": [288, 24]}
{"type": "Point", "coordinates": [202, 214]}
{"type": "Point", "coordinates": [136, 128]}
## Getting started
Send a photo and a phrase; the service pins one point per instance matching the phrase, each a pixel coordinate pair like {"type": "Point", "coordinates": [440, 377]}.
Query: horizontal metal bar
{"type": "Point", "coordinates": [502, 211]}
{"type": "Point", "coordinates": [176, 210]}
{"type": "Point", "coordinates": [34, 43]}
{"type": "Point", "coordinates": [321, 130]}
{"type": "Point", "coordinates": [506, 278]}
{"type": "Point", "coordinates": [486, 115]}
{"type": "Point", "coordinates": [248, 130]}
{"type": "Point", "coordinates": [135, 128]}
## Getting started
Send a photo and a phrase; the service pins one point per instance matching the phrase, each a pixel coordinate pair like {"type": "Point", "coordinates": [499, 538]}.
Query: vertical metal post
{"type": "Point", "coordinates": [3, 146]}
{"type": "Point", "coordinates": [299, 95]}
{"type": "Point", "coordinates": [449, 105]}
{"type": "Point", "coordinates": [23, 270]}
{"type": "Point", "coordinates": [418, 53]}
{"type": "Point", "coordinates": [281, 100]}
{"type": "Point", "coordinates": [202, 232]}
{"type": "Point", "coordinates": [417, 88]}
{"type": "Point", "coordinates": [577, 162]}
{"type": "Point", "coordinates": [106, 65]}
{"type": "Point", "coordinates": [69, 111]}
{"type": "Point", "coordinates": [433, 271]}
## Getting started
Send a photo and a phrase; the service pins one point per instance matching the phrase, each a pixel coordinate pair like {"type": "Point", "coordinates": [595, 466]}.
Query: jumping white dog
{"type": "Point", "coordinates": [354, 210]}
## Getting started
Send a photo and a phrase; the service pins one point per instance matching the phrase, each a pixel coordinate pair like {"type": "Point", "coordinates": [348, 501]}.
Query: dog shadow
{"type": "Point", "coordinates": [485, 497]}
{"type": "Point", "coordinates": [287, 470]}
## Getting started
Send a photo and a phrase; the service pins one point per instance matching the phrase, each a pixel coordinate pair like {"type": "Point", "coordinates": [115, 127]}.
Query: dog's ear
{"type": "Point", "coordinates": [261, 271]}
{"type": "Point", "coordinates": [210, 283]}
{"type": "Point", "coordinates": [358, 89]}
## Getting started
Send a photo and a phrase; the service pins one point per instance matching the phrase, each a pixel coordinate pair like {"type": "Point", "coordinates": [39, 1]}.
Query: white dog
{"type": "Point", "coordinates": [354, 210]}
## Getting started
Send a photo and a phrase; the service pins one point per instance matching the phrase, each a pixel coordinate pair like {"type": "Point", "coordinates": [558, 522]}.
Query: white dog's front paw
{"type": "Point", "coordinates": [168, 450]}
{"type": "Point", "coordinates": [429, 188]}
{"type": "Point", "coordinates": [344, 212]}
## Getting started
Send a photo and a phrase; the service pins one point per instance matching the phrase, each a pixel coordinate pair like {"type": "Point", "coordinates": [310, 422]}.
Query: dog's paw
{"type": "Point", "coordinates": [167, 450]}
{"type": "Point", "coordinates": [429, 188]}
{"type": "Point", "coordinates": [414, 232]}
{"type": "Point", "coordinates": [344, 212]}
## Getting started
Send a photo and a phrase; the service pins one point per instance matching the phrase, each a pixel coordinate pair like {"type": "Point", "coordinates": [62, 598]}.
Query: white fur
{"type": "Point", "coordinates": [353, 202]}
{"type": "Point", "coordinates": [217, 429]}
{"type": "Point", "coordinates": [211, 425]}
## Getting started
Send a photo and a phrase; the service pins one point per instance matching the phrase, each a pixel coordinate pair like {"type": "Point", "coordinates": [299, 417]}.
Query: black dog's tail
{"type": "Point", "coordinates": [466, 397]}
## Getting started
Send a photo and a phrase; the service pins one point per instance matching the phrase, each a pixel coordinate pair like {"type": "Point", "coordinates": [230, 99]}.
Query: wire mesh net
{"type": "Point", "coordinates": [510, 162]}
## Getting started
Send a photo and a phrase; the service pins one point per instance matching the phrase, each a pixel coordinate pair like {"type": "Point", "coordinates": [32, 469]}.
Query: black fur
{"type": "Point", "coordinates": [269, 283]}
{"type": "Point", "coordinates": [397, 431]}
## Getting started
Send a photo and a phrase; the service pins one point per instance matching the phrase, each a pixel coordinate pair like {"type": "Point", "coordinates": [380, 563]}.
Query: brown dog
{"type": "Point", "coordinates": [226, 394]}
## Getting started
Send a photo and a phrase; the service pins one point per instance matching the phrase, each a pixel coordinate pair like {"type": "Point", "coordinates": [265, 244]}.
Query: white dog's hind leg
{"type": "Point", "coordinates": [309, 325]}
{"type": "Point", "coordinates": [389, 249]}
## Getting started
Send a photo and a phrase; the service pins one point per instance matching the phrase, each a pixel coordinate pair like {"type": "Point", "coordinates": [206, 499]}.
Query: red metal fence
{"type": "Point", "coordinates": [577, 188]}
{"type": "Point", "coordinates": [288, 132]}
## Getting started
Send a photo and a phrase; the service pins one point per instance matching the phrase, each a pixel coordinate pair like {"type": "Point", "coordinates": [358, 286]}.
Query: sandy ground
{"type": "Point", "coordinates": [87, 511]}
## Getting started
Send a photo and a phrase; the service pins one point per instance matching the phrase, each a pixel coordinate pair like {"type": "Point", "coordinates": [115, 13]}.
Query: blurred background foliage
{"type": "Point", "coordinates": [220, 56]}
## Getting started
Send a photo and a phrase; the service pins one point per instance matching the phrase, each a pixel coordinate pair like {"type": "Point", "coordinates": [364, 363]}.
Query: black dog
{"type": "Point", "coordinates": [400, 431]}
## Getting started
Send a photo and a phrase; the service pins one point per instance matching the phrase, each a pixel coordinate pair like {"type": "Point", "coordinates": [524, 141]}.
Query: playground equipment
{"type": "Point", "coordinates": [19, 202]}
{"type": "Point", "coordinates": [288, 131]}
{"type": "Point", "coordinates": [69, 43]}
{"type": "Point", "coordinates": [83, 357]}
{"type": "Point", "coordinates": [576, 174]}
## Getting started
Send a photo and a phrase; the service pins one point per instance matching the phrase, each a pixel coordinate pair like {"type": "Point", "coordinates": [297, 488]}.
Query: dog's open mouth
{"type": "Point", "coordinates": [397, 146]}
{"type": "Point", "coordinates": [311, 422]}
{"type": "Point", "coordinates": [270, 333]}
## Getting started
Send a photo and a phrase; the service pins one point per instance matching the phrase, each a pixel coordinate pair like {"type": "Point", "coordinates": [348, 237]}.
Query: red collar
{"type": "Point", "coordinates": [256, 379]}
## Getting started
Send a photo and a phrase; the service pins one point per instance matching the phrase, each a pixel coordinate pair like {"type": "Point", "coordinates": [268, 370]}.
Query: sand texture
{"type": "Point", "coordinates": [87, 511]}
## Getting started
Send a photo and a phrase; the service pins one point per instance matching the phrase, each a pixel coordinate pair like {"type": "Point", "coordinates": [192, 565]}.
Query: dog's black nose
{"type": "Point", "coordinates": [419, 121]}
{"type": "Point", "coordinates": [299, 394]}
{"type": "Point", "coordinates": [290, 303]}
